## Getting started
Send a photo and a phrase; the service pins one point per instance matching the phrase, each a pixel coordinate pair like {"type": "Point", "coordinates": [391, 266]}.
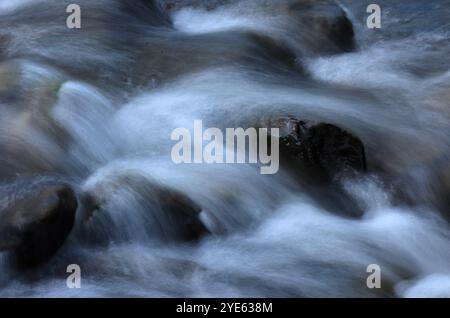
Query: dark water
{"type": "Point", "coordinates": [96, 104]}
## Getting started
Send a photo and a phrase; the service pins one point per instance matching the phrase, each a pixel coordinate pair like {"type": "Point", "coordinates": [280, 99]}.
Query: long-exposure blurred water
{"type": "Point", "coordinates": [98, 103]}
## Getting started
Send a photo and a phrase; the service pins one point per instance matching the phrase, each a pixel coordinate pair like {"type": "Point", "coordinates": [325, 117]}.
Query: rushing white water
{"type": "Point", "coordinates": [270, 235]}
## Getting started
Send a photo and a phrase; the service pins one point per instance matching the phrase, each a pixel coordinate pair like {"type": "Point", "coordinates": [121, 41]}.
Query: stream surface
{"type": "Point", "coordinates": [95, 104]}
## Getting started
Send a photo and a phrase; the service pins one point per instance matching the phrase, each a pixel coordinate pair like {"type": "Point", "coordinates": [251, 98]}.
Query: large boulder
{"type": "Point", "coordinates": [36, 218]}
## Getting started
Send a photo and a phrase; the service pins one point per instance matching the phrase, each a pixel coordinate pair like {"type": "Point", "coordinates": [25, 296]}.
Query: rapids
{"type": "Point", "coordinates": [95, 104]}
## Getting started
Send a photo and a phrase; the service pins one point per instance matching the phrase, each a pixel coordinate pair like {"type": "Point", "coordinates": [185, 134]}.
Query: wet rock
{"type": "Point", "coordinates": [164, 213]}
{"type": "Point", "coordinates": [322, 147]}
{"type": "Point", "coordinates": [326, 23]}
{"type": "Point", "coordinates": [164, 59]}
{"type": "Point", "coordinates": [36, 218]}
{"type": "Point", "coordinates": [3, 44]}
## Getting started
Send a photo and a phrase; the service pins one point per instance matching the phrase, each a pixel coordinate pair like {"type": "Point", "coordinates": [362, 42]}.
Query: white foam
{"type": "Point", "coordinates": [432, 286]}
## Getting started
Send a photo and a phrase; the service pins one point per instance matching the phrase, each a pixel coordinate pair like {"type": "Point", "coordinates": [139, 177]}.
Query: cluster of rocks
{"type": "Point", "coordinates": [38, 214]}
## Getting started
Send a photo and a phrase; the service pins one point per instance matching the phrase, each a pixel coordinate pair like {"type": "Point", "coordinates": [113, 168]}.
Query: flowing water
{"type": "Point", "coordinates": [95, 104]}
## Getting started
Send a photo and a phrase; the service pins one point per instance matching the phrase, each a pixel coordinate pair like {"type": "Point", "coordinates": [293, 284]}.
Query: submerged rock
{"type": "Point", "coordinates": [326, 23]}
{"type": "Point", "coordinates": [36, 218]}
{"type": "Point", "coordinates": [160, 212]}
{"type": "Point", "coordinates": [182, 212]}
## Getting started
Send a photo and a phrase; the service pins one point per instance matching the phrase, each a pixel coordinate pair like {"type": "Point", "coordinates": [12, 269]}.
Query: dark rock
{"type": "Point", "coordinates": [342, 34]}
{"type": "Point", "coordinates": [318, 26]}
{"type": "Point", "coordinates": [36, 219]}
{"type": "Point", "coordinates": [3, 44]}
{"type": "Point", "coordinates": [171, 215]}
{"type": "Point", "coordinates": [321, 147]}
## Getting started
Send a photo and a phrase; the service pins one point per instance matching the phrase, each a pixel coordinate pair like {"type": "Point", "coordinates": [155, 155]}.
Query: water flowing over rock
{"type": "Point", "coordinates": [319, 26]}
{"type": "Point", "coordinates": [169, 214]}
{"type": "Point", "coordinates": [319, 146]}
{"type": "Point", "coordinates": [87, 176]}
